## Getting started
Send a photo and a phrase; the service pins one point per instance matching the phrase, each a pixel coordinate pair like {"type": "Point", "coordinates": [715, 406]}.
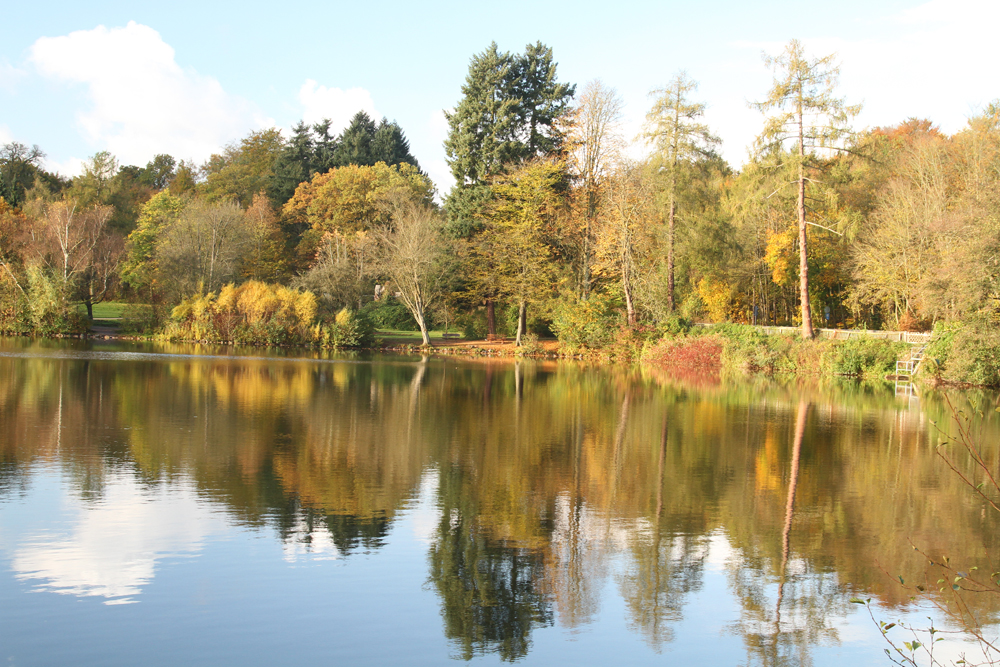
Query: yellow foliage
{"type": "Point", "coordinates": [782, 257]}
{"type": "Point", "coordinates": [717, 297]}
{"type": "Point", "coordinates": [257, 301]}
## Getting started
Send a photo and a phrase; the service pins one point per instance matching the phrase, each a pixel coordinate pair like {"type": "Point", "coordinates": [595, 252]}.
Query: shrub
{"type": "Point", "coordinates": [866, 357]}
{"type": "Point", "coordinates": [966, 352]}
{"type": "Point", "coordinates": [748, 348]}
{"type": "Point", "coordinates": [140, 318]}
{"type": "Point", "coordinates": [389, 313]}
{"type": "Point", "coordinates": [253, 312]}
{"type": "Point", "coordinates": [346, 330]}
{"type": "Point", "coordinates": [593, 323]}
{"type": "Point", "coordinates": [700, 354]}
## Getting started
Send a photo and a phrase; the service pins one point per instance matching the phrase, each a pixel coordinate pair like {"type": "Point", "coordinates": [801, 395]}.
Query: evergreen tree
{"type": "Point", "coordinates": [325, 147]}
{"type": "Point", "coordinates": [543, 102]}
{"type": "Point", "coordinates": [295, 164]}
{"type": "Point", "coordinates": [355, 144]}
{"type": "Point", "coordinates": [508, 114]}
{"type": "Point", "coordinates": [389, 145]}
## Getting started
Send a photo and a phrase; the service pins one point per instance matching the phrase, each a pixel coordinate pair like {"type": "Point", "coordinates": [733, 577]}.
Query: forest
{"type": "Point", "coordinates": [558, 225]}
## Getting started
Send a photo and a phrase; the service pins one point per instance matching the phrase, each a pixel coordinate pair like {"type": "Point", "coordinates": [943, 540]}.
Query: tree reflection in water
{"type": "Point", "coordinates": [552, 480]}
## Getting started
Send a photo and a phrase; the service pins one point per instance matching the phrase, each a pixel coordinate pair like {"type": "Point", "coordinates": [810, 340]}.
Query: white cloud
{"type": "Point", "coordinates": [5, 137]}
{"type": "Point", "coordinates": [142, 101]}
{"type": "Point", "coordinates": [320, 102]}
{"type": "Point", "coordinates": [927, 61]}
{"type": "Point", "coordinates": [68, 168]}
{"type": "Point", "coordinates": [9, 75]}
{"type": "Point", "coordinates": [436, 131]}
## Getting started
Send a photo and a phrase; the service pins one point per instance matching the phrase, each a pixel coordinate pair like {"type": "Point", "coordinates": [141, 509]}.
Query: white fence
{"type": "Point", "coordinates": [912, 337]}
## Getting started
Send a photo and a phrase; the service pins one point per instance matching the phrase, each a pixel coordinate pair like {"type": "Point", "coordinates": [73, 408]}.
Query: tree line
{"type": "Point", "coordinates": [554, 224]}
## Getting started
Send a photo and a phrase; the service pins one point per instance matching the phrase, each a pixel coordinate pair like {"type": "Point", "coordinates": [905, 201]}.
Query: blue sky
{"type": "Point", "coordinates": [185, 78]}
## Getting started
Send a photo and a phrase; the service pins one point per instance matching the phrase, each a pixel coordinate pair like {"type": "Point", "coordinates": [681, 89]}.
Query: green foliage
{"type": "Point", "coordinates": [472, 324]}
{"type": "Point", "coordinates": [591, 323]}
{"type": "Point", "coordinates": [139, 268]}
{"type": "Point", "coordinates": [19, 167]}
{"type": "Point", "coordinates": [966, 352]}
{"type": "Point", "coordinates": [748, 348]}
{"type": "Point", "coordinates": [675, 325]}
{"type": "Point", "coordinates": [508, 113]}
{"type": "Point", "coordinates": [47, 307]}
{"type": "Point", "coordinates": [244, 168]}
{"type": "Point", "coordinates": [140, 318]}
{"type": "Point", "coordinates": [348, 329]}
{"type": "Point", "coordinates": [865, 357]}
{"type": "Point", "coordinates": [389, 313]}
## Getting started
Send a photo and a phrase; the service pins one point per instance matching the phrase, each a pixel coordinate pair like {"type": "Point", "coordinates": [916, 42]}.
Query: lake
{"type": "Point", "coordinates": [166, 505]}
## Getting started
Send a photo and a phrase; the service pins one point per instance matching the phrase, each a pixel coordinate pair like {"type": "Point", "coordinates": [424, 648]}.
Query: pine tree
{"type": "Point", "coordinates": [355, 143]}
{"type": "Point", "coordinates": [389, 145]}
{"type": "Point", "coordinates": [295, 164]}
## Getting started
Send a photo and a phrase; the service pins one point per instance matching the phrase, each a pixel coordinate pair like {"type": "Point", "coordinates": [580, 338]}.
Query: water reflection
{"type": "Point", "coordinates": [550, 482]}
{"type": "Point", "coordinates": [107, 549]}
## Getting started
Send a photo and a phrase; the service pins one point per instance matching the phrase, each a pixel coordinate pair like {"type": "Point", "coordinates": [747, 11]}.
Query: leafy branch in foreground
{"type": "Point", "coordinates": [949, 592]}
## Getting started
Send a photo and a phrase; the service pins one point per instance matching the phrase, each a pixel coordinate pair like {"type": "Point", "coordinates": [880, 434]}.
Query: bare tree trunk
{"type": "Point", "coordinates": [491, 318]}
{"type": "Point", "coordinates": [627, 289]}
{"type": "Point", "coordinates": [522, 321]}
{"type": "Point", "coordinates": [591, 214]}
{"type": "Point", "coordinates": [670, 253]}
{"type": "Point", "coordinates": [422, 323]}
{"type": "Point", "coordinates": [807, 327]}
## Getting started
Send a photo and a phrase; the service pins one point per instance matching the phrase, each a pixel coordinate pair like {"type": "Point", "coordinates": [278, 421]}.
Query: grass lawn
{"type": "Point", "coordinates": [412, 336]}
{"type": "Point", "coordinates": [103, 311]}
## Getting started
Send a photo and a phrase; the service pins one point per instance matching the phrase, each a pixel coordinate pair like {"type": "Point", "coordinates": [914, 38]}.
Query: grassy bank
{"type": "Point", "coordinates": [744, 348]}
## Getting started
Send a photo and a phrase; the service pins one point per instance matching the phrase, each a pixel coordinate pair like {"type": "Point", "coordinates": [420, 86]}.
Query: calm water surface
{"type": "Point", "coordinates": [164, 505]}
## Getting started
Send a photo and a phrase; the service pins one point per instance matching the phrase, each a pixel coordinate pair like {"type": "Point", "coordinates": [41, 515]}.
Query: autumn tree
{"type": "Point", "coordinates": [346, 200]}
{"type": "Point", "coordinates": [244, 168]}
{"type": "Point", "coordinates": [896, 252]}
{"type": "Point", "coordinates": [512, 256]}
{"type": "Point", "coordinates": [624, 236]}
{"type": "Point", "coordinates": [202, 249]}
{"type": "Point", "coordinates": [679, 138]}
{"type": "Point", "coordinates": [77, 248]}
{"type": "Point", "coordinates": [410, 253]}
{"type": "Point", "coordinates": [265, 256]}
{"type": "Point", "coordinates": [802, 111]}
{"type": "Point", "coordinates": [594, 139]}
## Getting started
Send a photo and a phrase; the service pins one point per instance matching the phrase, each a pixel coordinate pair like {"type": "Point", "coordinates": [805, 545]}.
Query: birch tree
{"type": "Point", "coordinates": [594, 139]}
{"type": "Point", "coordinates": [411, 255]}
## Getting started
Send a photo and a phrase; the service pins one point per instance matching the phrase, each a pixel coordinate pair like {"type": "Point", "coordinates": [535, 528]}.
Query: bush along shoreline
{"type": "Point", "coordinates": [261, 314]}
{"type": "Point", "coordinates": [747, 349]}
